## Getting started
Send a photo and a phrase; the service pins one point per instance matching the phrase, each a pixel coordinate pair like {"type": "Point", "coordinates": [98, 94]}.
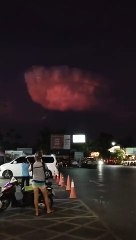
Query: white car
{"type": "Point", "coordinates": [14, 168]}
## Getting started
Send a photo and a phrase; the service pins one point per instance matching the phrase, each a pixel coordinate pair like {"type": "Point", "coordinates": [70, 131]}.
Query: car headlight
{"type": "Point", "coordinates": [100, 162]}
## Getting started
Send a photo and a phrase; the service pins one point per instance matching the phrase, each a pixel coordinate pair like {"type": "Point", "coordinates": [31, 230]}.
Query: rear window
{"type": "Point", "coordinates": [91, 159]}
{"type": "Point", "coordinates": [20, 160]}
{"type": "Point", "coordinates": [31, 159]}
{"type": "Point", "coordinates": [45, 159]}
{"type": "Point", "coordinates": [48, 159]}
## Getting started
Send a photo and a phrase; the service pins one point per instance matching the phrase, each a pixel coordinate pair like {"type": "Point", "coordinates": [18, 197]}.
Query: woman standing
{"type": "Point", "coordinates": [39, 183]}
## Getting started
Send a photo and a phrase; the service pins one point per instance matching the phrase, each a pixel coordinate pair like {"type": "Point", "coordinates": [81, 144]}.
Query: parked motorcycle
{"type": "Point", "coordinates": [7, 195]}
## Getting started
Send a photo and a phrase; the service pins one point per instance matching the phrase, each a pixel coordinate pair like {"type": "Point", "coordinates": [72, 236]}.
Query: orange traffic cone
{"type": "Point", "coordinates": [73, 192]}
{"type": "Point", "coordinates": [54, 176]}
{"type": "Point", "coordinates": [57, 179]}
{"type": "Point", "coordinates": [60, 179]}
{"type": "Point", "coordinates": [68, 187]}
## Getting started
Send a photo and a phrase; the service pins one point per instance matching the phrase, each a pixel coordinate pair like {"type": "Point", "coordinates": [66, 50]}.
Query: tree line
{"type": "Point", "coordinates": [12, 139]}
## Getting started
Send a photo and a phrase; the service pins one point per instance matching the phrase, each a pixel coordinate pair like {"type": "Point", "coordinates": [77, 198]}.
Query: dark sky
{"type": "Point", "coordinates": [68, 65]}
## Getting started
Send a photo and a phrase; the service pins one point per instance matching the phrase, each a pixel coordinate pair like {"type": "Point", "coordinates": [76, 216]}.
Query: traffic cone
{"type": "Point", "coordinates": [68, 187]}
{"type": "Point", "coordinates": [54, 176]}
{"type": "Point", "coordinates": [57, 179]}
{"type": "Point", "coordinates": [60, 179]}
{"type": "Point", "coordinates": [72, 192]}
{"type": "Point", "coordinates": [62, 182]}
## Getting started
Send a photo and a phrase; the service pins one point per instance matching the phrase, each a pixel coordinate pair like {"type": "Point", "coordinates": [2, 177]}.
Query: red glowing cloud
{"type": "Point", "coordinates": [62, 88]}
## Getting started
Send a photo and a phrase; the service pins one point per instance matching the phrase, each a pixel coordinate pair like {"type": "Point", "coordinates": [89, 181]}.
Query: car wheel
{"type": "Point", "coordinates": [48, 174]}
{"type": "Point", "coordinates": [7, 174]}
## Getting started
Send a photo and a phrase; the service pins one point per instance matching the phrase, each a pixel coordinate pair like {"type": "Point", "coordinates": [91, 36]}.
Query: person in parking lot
{"type": "Point", "coordinates": [38, 183]}
{"type": "Point", "coordinates": [25, 174]}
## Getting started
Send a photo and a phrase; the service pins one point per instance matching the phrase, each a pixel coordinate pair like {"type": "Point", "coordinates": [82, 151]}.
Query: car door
{"type": "Point", "coordinates": [16, 166]}
{"type": "Point", "coordinates": [31, 160]}
{"type": "Point", "coordinates": [51, 163]}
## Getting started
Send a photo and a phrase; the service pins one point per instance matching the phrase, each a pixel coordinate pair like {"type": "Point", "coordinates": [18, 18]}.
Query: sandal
{"type": "Point", "coordinates": [37, 214]}
{"type": "Point", "coordinates": [50, 212]}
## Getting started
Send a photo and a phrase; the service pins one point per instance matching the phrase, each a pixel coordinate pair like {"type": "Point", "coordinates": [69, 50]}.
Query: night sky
{"type": "Point", "coordinates": [68, 66]}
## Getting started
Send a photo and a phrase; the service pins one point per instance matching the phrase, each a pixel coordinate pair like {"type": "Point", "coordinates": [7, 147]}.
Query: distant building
{"type": "Point", "coordinates": [114, 149]}
{"type": "Point", "coordinates": [27, 151]}
{"type": "Point", "coordinates": [130, 151]}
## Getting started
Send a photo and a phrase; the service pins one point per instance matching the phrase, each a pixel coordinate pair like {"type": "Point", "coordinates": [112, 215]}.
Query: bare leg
{"type": "Point", "coordinates": [46, 199]}
{"type": "Point", "coordinates": [36, 196]}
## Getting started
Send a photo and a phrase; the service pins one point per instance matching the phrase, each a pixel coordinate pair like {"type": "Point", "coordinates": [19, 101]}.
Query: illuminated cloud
{"type": "Point", "coordinates": [62, 88]}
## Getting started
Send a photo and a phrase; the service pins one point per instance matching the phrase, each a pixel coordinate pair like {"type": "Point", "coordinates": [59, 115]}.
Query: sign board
{"type": "Point", "coordinates": [78, 138]}
{"type": "Point", "coordinates": [67, 142]}
{"type": "Point", "coordinates": [60, 141]}
{"type": "Point", "coordinates": [95, 154]}
{"type": "Point", "coordinates": [130, 151]}
{"type": "Point", "coordinates": [12, 154]}
{"type": "Point", "coordinates": [78, 155]}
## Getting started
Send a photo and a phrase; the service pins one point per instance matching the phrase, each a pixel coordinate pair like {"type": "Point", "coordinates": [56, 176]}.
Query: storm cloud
{"type": "Point", "coordinates": [63, 88]}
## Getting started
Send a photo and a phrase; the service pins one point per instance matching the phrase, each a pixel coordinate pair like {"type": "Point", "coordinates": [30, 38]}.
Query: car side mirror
{"type": "Point", "coordinates": [15, 162]}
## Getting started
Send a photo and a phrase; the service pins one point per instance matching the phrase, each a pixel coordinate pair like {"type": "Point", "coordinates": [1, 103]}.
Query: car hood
{"type": "Point", "coordinates": [4, 165]}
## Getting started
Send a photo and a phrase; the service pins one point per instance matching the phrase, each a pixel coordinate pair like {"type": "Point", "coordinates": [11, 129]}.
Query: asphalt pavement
{"type": "Point", "coordinates": [72, 219]}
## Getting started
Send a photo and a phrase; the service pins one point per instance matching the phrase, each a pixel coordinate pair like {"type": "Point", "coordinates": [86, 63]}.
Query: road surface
{"type": "Point", "coordinates": [110, 191]}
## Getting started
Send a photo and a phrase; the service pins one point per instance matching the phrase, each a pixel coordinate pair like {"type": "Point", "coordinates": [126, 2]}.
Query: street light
{"type": "Point", "coordinates": [113, 143]}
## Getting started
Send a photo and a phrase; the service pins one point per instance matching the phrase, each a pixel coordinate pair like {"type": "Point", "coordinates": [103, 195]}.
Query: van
{"type": "Point", "coordinates": [14, 168]}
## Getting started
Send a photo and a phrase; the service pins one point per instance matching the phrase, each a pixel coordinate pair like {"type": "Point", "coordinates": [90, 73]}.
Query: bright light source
{"type": "Point", "coordinates": [79, 138]}
{"type": "Point", "coordinates": [113, 143]}
{"type": "Point", "coordinates": [95, 154]}
{"type": "Point", "coordinates": [100, 162]}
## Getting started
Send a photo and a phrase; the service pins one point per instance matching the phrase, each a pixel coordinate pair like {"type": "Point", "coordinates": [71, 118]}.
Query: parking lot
{"type": "Point", "coordinates": [72, 219]}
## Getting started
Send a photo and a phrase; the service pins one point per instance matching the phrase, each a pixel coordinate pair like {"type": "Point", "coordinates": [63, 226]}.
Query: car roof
{"type": "Point", "coordinates": [44, 155]}
{"type": "Point", "coordinates": [32, 155]}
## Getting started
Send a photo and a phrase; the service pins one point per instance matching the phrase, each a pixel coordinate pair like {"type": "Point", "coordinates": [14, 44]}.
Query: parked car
{"type": "Point", "coordinates": [14, 168]}
{"type": "Point", "coordinates": [89, 162]}
{"type": "Point", "coordinates": [74, 163]}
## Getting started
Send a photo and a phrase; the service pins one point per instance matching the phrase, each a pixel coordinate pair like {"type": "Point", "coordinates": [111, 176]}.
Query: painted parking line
{"type": "Point", "coordinates": [72, 219]}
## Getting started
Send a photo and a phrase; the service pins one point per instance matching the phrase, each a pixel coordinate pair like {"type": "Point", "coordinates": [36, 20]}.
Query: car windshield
{"type": "Point", "coordinates": [19, 160]}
